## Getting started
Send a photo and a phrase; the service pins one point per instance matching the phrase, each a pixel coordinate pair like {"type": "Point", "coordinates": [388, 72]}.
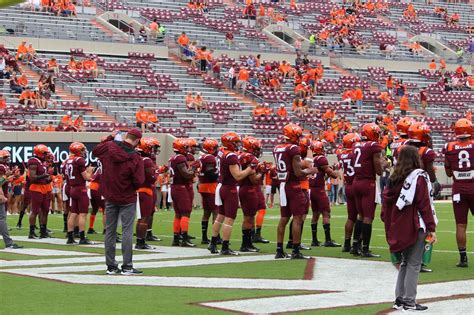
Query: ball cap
{"type": "Point", "coordinates": [135, 132]}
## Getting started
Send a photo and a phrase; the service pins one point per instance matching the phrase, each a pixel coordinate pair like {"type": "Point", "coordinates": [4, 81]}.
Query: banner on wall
{"type": "Point", "coordinates": [21, 151]}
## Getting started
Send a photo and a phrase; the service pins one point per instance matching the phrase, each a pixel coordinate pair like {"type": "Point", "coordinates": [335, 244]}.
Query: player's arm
{"type": "Point", "coordinates": [87, 174]}
{"type": "Point", "coordinates": [34, 176]}
{"type": "Point", "coordinates": [185, 171]}
{"type": "Point", "coordinates": [379, 163]}
{"type": "Point", "coordinates": [329, 171]}
{"type": "Point", "coordinates": [298, 167]}
{"type": "Point", "coordinates": [431, 171]}
{"type": "Point", "coordinates": [447, 167]}
{"type": "Point", "coordinates": [240, 174]}
{"type": "Point", "coordinates": [210, 171]}
{"type": "Point", "coordinates": [3, 198]}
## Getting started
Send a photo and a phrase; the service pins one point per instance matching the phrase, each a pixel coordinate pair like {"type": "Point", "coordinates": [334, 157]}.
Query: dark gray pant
{"type": "Point", "coordinates": [3, 226]}
{"type": "Point", "coordinates": [127, 216]}
{"type": "Point", "coordinates": [409, 269]}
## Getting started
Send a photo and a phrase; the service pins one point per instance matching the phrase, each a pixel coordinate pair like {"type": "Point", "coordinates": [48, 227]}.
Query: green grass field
{"type": "Point", "coordinates": [22, 294]}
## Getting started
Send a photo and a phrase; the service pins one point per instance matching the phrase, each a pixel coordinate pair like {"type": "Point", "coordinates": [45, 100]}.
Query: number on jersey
{"type": "Point", "coordinates": [357, 153]}
{"type": "Point", "coordinates": [281, 167]}
{"type": "Point", "coordinates": [464, 159]}
{"type": "Point", "coordinates": [348, 167]}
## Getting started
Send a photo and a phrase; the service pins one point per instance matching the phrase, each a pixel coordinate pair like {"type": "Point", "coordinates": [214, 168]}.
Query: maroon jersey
{"type": "Point", "coordinates": [190, 157]}
{"type": "Point", "coordinates": [207, 160]}
{"type": "Point", "coordinates": [427, 156]}
{"type": "Point", "coordinates": [224, 160]}
{"type": "Point", "coordinates": [150, 177]}
{"type": "Point", "coordinates": [459, 158]}
{"type": "Point", "coordinates": [345, 159]}
{"type": "Point", "coordinates": [319, 161]}
{"type": "Point", "coordinates": [283, 155]}
{"type": "Point", "coordinates": [40, 170]}
{"type": "Point", "coordinates": [176, 177]}
{"type": "Point", "coordinates": [246, 160]}
{"type": "Point", "coordinates": [274, 177]}
{"type": "Point", "coordinates": [362, 159]}
{"type": "Point", "coordinates": [3, 171]}
{"type": "Point", "coordinates": [74, 168]}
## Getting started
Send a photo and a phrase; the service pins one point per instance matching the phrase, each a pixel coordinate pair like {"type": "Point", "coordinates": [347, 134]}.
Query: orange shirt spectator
{"type": "Point", "coordinates": [432, 65]}
{"type": "Point", "coordinates": [329, 114]}
{"type": "Point", "coordinates": [311, 74]}
{"type": "Point", "coordinates": [50, 128]}
{"type": "Point", "coordinates": [22, 50]}
{"type": "Point", "coordinates": [358, 95]}
{"type": "Point", "coordinates": [79, 123]}
{"type": "Point", "coordinates": [387, 119]}
{"type": "Point", "coordinates": [189, 100]}
{"type": "Point", "coordinates": [23, 80]}
{"type": "Point", "coordinates": [469, 115]}
{"type": "Point", "coordinates": [66, 120]}
{"type": "Point", "coordinates": [329, 135]}
{"type": "Point", "coordinates": [389, 83]}
{"type": "Point", "coordinates": [390, 106]}
{"type": "Point", "coordinates": [153, 26]}
{"type": "Point", "coordinates": [26, 94]}
{"type": "Point", "coordinates": [267, 110]}
{"type": "Point", "coordinates": [319, 72]}
{"type": "Point", "coordinates": [243, 75]}
{"type": "Point", "coordinates": [404, 103]}
{"type": "Point", "coordinates": [72, 65]}
{"type": "Point", "coordinates": [258, 111]}
{"type": "Point", "coordinates": [3, 102]}
{"type": "Point", "coordinates": [284, 68]}
{"type": "Point", "coordinates": [261, 10]}
{"type": "Point", "coordinates": [349, 94]}
{"type": "Point", "coordinates": [442, 64]}
{"type": "Point", "coordinates": [141, 115]}
{"type": "Point", "coordinates": [152, 117]}
{"type": "Point", "coordinates": [282, 111]}
{"type": "Point", "coordinates": [183, 40]}
{"type": "Point", "coordinates": [300, 88]}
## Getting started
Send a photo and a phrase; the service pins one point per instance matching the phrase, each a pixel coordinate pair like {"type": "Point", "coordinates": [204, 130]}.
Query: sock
{"type": "Point", "coordinates": [290, 227]}
{"type": "Point", "coordinates": [366, 235]}
{"type": "Point", "coordinates": [248, 237]}
{"type": "Point", "coordinates": [296, 247]}
{"type": "Point", "coordinates": [213, 240]}
{"type": "Point", "coordinates": [347, 242]}
{"type": "Point", "coordinates": [259, 218]}
{"type": "Point", "coordinates": [91, 221]}
{"type": "Point", "coordinates": [279, 247]}
{"type": "Point", "coordinates": [244, 238]}
{"type": "Point", "coordinates": [43, 229]}
{"type": "Point", "coordinates": [65, 221]}
{"type": "Point", "coordinates": [140, 241]}
{"type": "Point", "coordinates": [204, 226]}
{"type": "Point", "coordinates": [76, 230]}
{"type": "Point", "coordinates": [176, 224]}
{"type": "Point", "coordinates": [258, 231]}
{"type": "Point", "coordinates": [20, 218]}
{"type": "Point", "coordinates": [32, 229]}
{"type": "Point", "coordinates": [462, 253]}
{"type": "Point", "coordinates": [82, 235]}
{"type": "Point", "coordinates": [357, 233]}
{"type": "Point", "coordinates": [225, 245]}
{"type": "Point", "coordinates": [314, 231]}
{"type": "Point", "coordinates": [327, 231]}
{"type": "Point", "coordinates": [70, 236]}
{"type": "Point", "coordinates": [184, 225]}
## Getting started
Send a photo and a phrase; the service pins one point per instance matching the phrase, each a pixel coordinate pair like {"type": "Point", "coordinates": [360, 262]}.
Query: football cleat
{"type": "Point", "coordinates": [219, 240]}
{"type": "Point", "coordinates": [462, 263]}
{"type": "Point", "coordinates": [299, 255]}
{"type": "Point", "coordinates": [191, 237]}
{"type": "Point", "coordinates": [18, 226]}
{"type": "Point", "coordinates": [175, 242]}
{"type": "Point", "coordinates": [228, 252]}
{"type": "Point", "coordinates": [33, 236]}
{"type": "Point", "coordinates": [249, 249]}
{"type": "Point", "coordinates": [346, 249]}
{"type": "Point", "coordinates": [316, 243]}
{"type": "Point", "coordinates": [44, 235]}
{"type": "Point", "coordinates": [131, 272]}
{"type": "Point", "coordinates": [187, 243]}
{"type": "Point", "coordinates": [355, 251]}
{"type": "Point", "coordinates": [331, 243]}
{"type": "Point", "coordinates": [289, 245]}
{"type": "Point", "coordinates": [369, 254]}
{"type": "Point", "coordinates": [143, 246]}
{"type": "Point", "coordinates": [14, 246]}
{"type": "Point", "coordinates": [213, 249]}
{"type": "Point", "coordinates": [205, 241]}
{"type": "Point", "coordinates": [113, 270]}
{"type": "Point", "coordinates": [304, 247]}
{"type": "Point", "coordinates": [423, 268]}
{"type": "Point", "coordinates": [281, 255]}
{"type": "Point", "coordinates": [152, 238]}
{"type": "Point", "coordinates": [71, 242]}
{"type": "Point", "coordinates": [259, 239]}
{"type": "Point", "coordinates": [85, 242]}
{"type": "Point", "coordinates": [91, 231]}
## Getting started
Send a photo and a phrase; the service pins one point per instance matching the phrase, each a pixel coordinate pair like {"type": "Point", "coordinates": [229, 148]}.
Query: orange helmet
{"type": "Point", "coordinates": [350, 139]}
{"type": "Point", "coordinates": [40, 151]}
{"type": "Point", "coordinates": [4, 156]}
{"type": "Point", "coordinates": [192, 145]}
{"type": "Point", "coordinates": [371, 132]}
{"type": "Point", "coordinates": [77, 149]}
{"type": "Point", "coordinates": [419, 131]}
{"type": "Point", "coordinates": [180, 145]}
{"type": "Point", "coordinates": [317, 147]}
{"type": "Point", "coordinates": [252, 145]}
{"type": "Point", "coordinates": [149, 145]}
{"type": "Point", "coordinates": [231, 141]}
{"type": "Point", "coordinates": [292, 132]}
{"type": "Point", "coordinates": [463, 128]}
{"type": "Point", "coordinates": [403, 125]}
{"type": "Point", "coordinates": [210, 146]}
{"type": "Point", "coordinates": [49, 157]}
{"type": "Point", "coordinates": [305, 142]}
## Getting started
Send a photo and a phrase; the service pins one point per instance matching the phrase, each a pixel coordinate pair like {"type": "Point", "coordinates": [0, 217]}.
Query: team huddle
{"type": "Point", "coordinates": [231, 176]}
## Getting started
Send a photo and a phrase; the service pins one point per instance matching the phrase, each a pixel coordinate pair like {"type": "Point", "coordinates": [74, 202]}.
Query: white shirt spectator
{"type": "Point", "coordinates": [231, 72]}
{"type": "Point", "coordinates": [2, 64]}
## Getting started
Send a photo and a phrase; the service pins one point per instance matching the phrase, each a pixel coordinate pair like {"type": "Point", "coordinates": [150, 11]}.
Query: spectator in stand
{"type": "Point", "coordinates": [401, 88]}
{"type": "Point", "coordinates": [22, 51]}
{"type": "Point", "coordinates": [389, 84]}
{"type": "Point", "coordinates": [78, 123]}
{"type": "Point", "coordinates": [301, 90]}
{"type": "Point", "coordinates": [50, 127]}
{"type": "Point", "coordinates": [281, 112]}
{"type": "Point", "coordinates": [53, 66]}
{"type": "Point", "coordinates": [183, 41]}
{"type": "Point", "coordinates": [203, 56]}
{"type": "Point", "coordinates": [242, 79]}
{"type": "Point", "coordinates": [26, 97]}
{"type": "Point", "coordinates": [469, 115]}
{"type": "Point", "coordinates": [15, 87]}
{"type": "Point", "coordinates": [251, 62]}
{"type": "Point", "coordinates": [66, 120]}
{"type": "Point", "coordinates": [31, 53]}
{"type": "Point", "coordinates": [91, 65]}
{"type": "Point", "coordinates": [23, 81]}
{"type": "Point", "coordinates": [153, 30]}
{"type": "Point", "coordinates": [442, 67]}
{"type": "Point", "coordinates": [39, 100]}
{"type": "Point", "coordinates": [454, 20]}
{"type": "Point", "coordinates": [258, 111]}
{"type": "Point", "coordinates": [189, 100]}
{"type": "Point", "coordinates": [141, 118]}
{"type": "Point", "coordinates": [152, 119]}
{"type": "Point", "coordinates": [3, 102]}
{"type": "Point", "coordinates": [423, 100]}
{"type": "Point", "coordinates": [348, 96]}
{"type": "Point", "coordinates": [267, 110]}
{"type": "Point", "coordinates": [358, 96]}
{"type": "Point", "coordinates": [330, 114]}
{"type": "Point", "coordinates": [470, 82]}
{"type": "Point", "coordinates": [432, 66]}
{"type": "Point", "coordinates": [344, 125]}
{"type": "Point", "coordinates": [404, 105]}
{"type": "Point", "coordinates": [232, 76]}
{"type": "Point", "coordinates": [229, 38]}
{"type": "Point", "coordinates": [461, 72]}
{"type": "Point", "coordinates": [3, 67]}
{"type": "Point", "coordinates": [254, 81]}
{"type": "Point", "coordinates": [284, 69]}
{"type": "Point", "coordinates": [71, 66]}
{"type": "Point", "coordinates": [199, 103]}
{"type": "Point", "coordinates": [161, 30]}
{"type": "Point", "coordinates": [275, 83]}
{"type": "Point", "coordinates": [415, 48]}
{"type": "Point", "coordinates": [330, 136]}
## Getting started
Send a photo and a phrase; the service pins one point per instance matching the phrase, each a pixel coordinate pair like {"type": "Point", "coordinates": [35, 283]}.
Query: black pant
{"type": "Point", "coordinates": [203, 65]}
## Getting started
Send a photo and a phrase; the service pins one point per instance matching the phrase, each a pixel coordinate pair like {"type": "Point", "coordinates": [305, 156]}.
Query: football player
{"type": "Point", "coordinates": [368, 162]}
{"type": "Point", "coordinates": [147, 148]}
{"type": "Point", "coordinates": [207, 184]}
{"type": "Point", "coordinates": [264, 169]}
{"type": "Point", "coordinates": [40, 189]}
{"type": "Point", "coordinates": [345, 159]}
{"type": "Point", "coordinates": [149, 232]}
{"type": "Point", "coordinates": [319, 198]}
{"type": "Point", "coordinates": [459, 164]}
{"type": "Point", "coordinates": [182, 176]}
{"type": "Point", "coordinates": [227, 198]}
{"type": "Point", "coordinates": [77, 175]}
{"type": "Point", "coordinates": [248, 188]}
{"type": "Point", "coordinates": [293, 200]}
{"type": "Point", "coordinates": [26, 200]}
{"type": "Point", "coordinates": [402, 134]}
{"type": "Point", "coordinates": [96, 199]}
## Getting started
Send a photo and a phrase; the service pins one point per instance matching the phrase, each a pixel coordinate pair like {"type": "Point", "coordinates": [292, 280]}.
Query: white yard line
{"type": "Point", "coordinates": [46, 252]}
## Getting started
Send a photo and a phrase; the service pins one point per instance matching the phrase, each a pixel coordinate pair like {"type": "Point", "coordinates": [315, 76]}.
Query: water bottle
{"type": "Point", "coordinates": [428, 250]}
